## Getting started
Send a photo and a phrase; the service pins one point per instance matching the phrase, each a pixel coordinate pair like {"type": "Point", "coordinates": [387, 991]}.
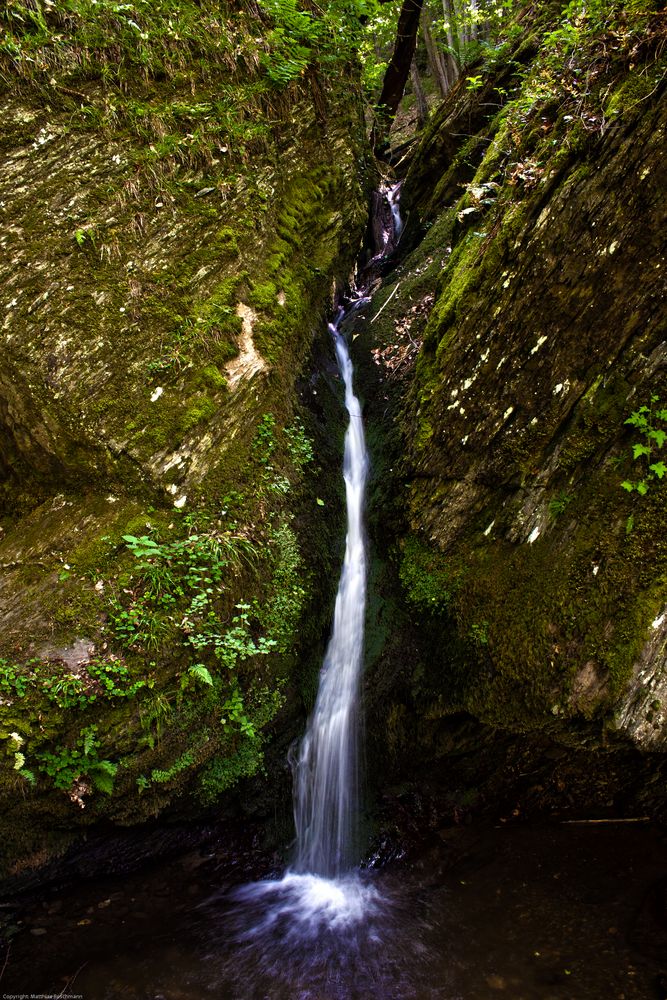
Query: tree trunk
{"type": "Point", "coordinates": [420, 96]}
{"type": "Point", "coordinates": [453, 38]}
{"type": "Point", "coordinates": [436, 60]}
{"type": "Point", "coordinates": [397, 71]}
{"type": "Point", "coordinates": [473, 19]}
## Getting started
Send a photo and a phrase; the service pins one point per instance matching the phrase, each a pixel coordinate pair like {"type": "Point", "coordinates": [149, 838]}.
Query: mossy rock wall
{"type": "Point", "coordinates": [174, 232]}
{"type": "Point", "coordinates": [523, 325]}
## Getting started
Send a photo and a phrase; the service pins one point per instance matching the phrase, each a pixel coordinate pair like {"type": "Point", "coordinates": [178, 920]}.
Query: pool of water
{"type": "Point", "coordinates": [527, 912]}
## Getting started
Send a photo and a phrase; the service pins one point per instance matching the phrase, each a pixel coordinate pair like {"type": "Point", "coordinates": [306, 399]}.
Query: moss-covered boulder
{"type": "Point", "coordinates": [174, 225]}
{"type": "Point", "coordinates": [520, 348]}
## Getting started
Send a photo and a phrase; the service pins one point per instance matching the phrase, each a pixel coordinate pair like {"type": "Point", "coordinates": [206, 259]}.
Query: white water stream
{"type": "Point", "coordinates": [393, 198]}
{"type": "Point", "coordinates": [322, 895]}
{"type": "Point", "coordinates": [325, 778]}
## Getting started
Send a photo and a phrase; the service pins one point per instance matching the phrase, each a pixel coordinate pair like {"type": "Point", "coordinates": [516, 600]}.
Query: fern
{"type": "Point", "coordinates": [89, 739]}
{"type": "Point", "coordinates": [181, 764]}
{"type": "Point", "coordinates": [199, 671]}
{"type": "Point", "coordinates": [102, 775]}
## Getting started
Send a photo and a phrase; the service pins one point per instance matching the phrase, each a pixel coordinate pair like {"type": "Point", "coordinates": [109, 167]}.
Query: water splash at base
{"type": "Point", "coordinates": [306, 937]}
{"type": "Point", "coordinates": [305, 907]}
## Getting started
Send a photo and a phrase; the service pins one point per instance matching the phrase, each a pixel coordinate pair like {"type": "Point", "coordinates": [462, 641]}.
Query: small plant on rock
{"type": "Point", "coordinates": [650, 422]}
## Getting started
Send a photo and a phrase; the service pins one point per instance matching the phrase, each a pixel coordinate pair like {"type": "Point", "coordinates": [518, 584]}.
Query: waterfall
{"type": "Point", "coordinates": [326, 783]}
{"type": "Point", "coordinates": [326, 766]}
{"type": "Point", "coordinates": [393, 198]}
{"type": "Point", "coordinates": [322, 898]}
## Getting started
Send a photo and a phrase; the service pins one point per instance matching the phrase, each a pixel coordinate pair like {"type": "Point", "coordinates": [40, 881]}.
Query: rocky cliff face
{"type": "Point", "coordinates": [173, 227]}
{"type": "Point", "coordinates": [522, 329]}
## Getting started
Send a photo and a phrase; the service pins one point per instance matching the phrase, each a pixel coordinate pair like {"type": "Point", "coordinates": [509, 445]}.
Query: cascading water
{"type": "Point", "coordinates": [325, 786]}
{"type": "Point", "coordinates": [325, 769]}
{"type": "Point", "coordinates": [323, 912]}
{"type": "Point", "coordinates": [321, 893]}
{"type": "Point", "coordinates": [393, 199]}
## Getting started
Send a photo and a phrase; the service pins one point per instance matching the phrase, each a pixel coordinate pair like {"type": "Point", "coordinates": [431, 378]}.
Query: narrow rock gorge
{"type": "Point", "coordinates": [184, 197]}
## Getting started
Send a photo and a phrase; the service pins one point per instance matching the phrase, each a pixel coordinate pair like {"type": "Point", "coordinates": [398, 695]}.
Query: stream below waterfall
{"type": "Point", "coordinates": [522, 911]}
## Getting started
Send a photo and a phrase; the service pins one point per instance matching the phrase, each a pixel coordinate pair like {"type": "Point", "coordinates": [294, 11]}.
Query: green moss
{"type": "Point", "coordinates": [210, 378]}
{"type": "Point", "coordinates": [428, 578]}
{"type": "Point", "coordinates": [281, 614]}
{"type": "Point", "coordinates": [263, 295]}
{"type": "Point", "coordinates": [222, 772]}
{"type": "Point", "coordinates": [227, 240]}
{"type": "Point", "coordinates": [200, 410]}
{"type": "Point", "coordinates": [547, 614]}
{"type": "Point", "coordinates": [634, 89]}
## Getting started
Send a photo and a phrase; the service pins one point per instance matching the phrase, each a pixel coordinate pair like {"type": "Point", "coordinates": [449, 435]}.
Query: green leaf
{"type": "Point", "coordinates": [89, 740]}
{"type": "Point", "coordinates": [642, 488]}
{"type": "Point", "coordinates": [658, 469]}
{"type": "Point", "coordinates": [627, 485]}
{"type": "Point", "coordinates": [103, 774]}
{"type": "Point", "coordinates": [658, 436]}
{"type": "Point", "coordinates": [320, 503]}
{"type": "Point", "coordinates": [640, 449]}
{"type": "Point", "coordinates": [637, 419]}
{"type": "Point", "coordinates": [629, 524]}
{"type": "Point", "coordinates": [199, 671]}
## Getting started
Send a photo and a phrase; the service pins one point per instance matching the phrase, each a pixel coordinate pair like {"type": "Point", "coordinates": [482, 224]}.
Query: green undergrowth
{"type": "Point", "coordinates": [594, 62]}
{"type": "Point", "coordinates": [561, 76]}
{"type": "Point", "coordinates": [184, 677]}
{"type": "Point", "coordinates": [80, 40]}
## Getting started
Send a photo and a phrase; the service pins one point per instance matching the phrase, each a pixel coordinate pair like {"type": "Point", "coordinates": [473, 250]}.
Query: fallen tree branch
{"type": "Point", "coordinates": [624, 819]}
{"type": "Point", "coordinates": [386, 303]}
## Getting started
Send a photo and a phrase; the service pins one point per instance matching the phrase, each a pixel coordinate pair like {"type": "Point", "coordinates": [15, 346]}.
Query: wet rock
{"type": "Point", "coordinates": [534, 579]}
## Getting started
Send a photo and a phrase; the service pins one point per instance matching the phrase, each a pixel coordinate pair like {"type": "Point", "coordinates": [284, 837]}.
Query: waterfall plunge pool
{"type": "Point", "coordinates": [527, 912]}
